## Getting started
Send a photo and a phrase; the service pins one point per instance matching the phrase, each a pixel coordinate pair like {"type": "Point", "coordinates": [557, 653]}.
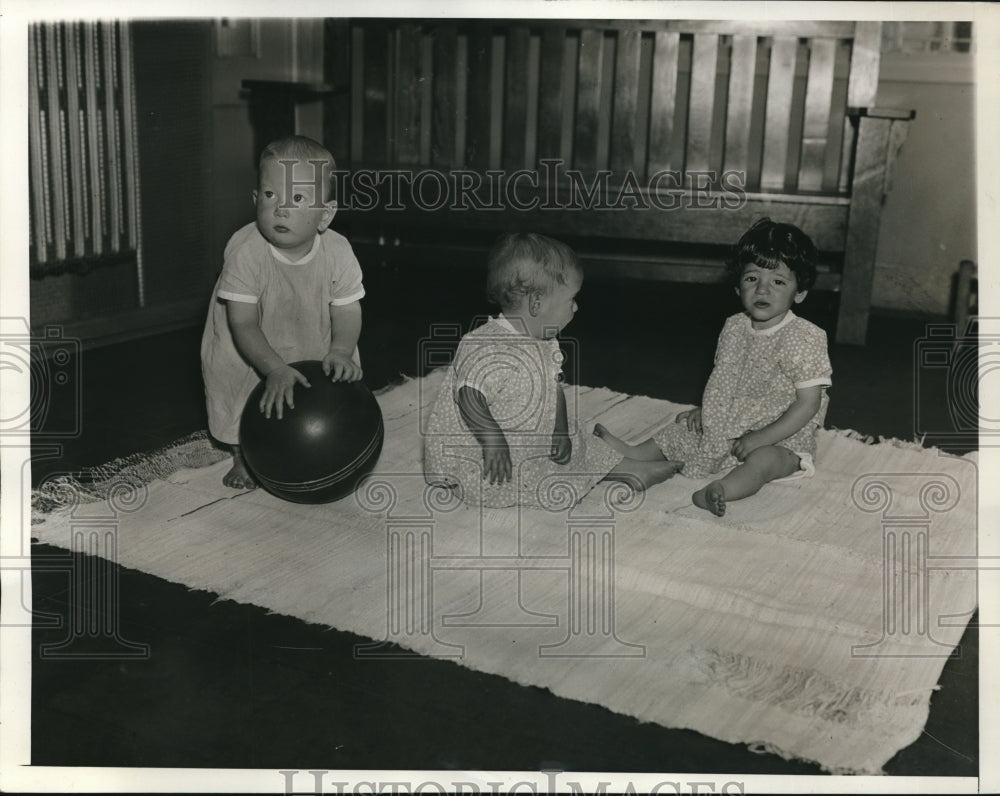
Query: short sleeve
{"type": "Point", "coordinates": [241, 277]}
{"type": "Point", "coordinates": [805, 359]}
{"type": "Point", "coordinates": [347, 277]}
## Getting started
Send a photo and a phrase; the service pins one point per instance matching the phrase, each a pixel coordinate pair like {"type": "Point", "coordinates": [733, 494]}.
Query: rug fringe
{"type": "Point", "coordinates": [903, 444]}
{"type": "Point", "coordinates": [139, 469]}
{"type": "Point", "coordinates": [765, 748]}
{"type": "Point", "coordinates": [801, 691]}
{"type": "Point", "coordinates": [397, 381]}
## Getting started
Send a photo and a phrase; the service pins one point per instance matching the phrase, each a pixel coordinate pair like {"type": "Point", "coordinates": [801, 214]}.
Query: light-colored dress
{"type": "Point", "coordinates": [293, 302]}
{"type": "Point", "coordinates": [753, 383]}
{"type": "Point", "coordinates": [519, 376]}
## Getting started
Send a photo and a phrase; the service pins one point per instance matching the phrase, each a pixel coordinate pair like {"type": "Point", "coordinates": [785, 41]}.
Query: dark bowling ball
{"type": "Point", "coordinates": [320, 449]}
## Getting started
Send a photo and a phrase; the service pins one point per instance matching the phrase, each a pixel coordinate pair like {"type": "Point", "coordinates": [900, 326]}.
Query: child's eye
{"type": "Point", "coordinates": [298, 198]}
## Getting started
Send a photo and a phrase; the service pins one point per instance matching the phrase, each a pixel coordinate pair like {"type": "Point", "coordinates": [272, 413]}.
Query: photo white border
{"type": "Point", "coordinates": [15, 642]}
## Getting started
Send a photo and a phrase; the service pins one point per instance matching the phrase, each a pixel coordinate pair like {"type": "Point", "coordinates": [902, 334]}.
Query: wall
{"type": "Point", "coordinates": [929, 218]}
{"type": "Point", "coordinates": [267, 49]}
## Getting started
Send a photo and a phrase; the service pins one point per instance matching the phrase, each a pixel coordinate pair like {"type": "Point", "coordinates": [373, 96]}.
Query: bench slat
{"type": "Point", "coordinates": [663, 101]}
{"type": "Point", "coordinates": [837, 134]}
{"type": "Point", "coordinates": [816, 125]}
{"type": "Point", "coordinates": [357, 92]}
{"type": "Point", "coordinates": [551, 93]}
{"type": "Point", "coordinates": [408, 90]}
{"type": "Point", "coordinates": [862, 84]}
{"type": "Point", "coordinates": [588, 98]}
{"type": "Point", "coordinates": [704, 62]}
{"type": "Point", "coordinates": [373, 139]}
{"type": "Point", "coordinates": [338, 72]}
{"type": "Point", "coordinates": [626, 100]}
{"type": "Point", "coordinates": [781, 76]}
{"type": "Point", "coordinates": [742, 66]}
{"type": "Point", "coordinates": [515, 111]}
{"type": "Point", "coordinates": [444, 90]}
{"type": "Point", "coordinates": [480, 61]}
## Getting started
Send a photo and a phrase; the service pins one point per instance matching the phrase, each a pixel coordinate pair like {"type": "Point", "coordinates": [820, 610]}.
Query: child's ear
{"type": "Point", "coordinates": [329, 211]}
{"type": "Point", "coordinates": [534, 303]}
{"type": "Point", "coordinates": [800, 296]}
{"type": "Point", "coordinates": [253, 197]}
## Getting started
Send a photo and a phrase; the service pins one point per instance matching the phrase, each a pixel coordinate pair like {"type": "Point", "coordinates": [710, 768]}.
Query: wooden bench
{"type": "Point", "coordinates": [649, 146]}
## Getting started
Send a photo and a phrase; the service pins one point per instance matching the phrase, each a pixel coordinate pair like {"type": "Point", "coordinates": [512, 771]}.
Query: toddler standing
{"type": "Point", "coordinates": [290, 290]}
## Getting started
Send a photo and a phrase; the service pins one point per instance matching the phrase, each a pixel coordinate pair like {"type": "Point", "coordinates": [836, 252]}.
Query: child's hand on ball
{"type": "Point", "coordinates": [279, 389]}
{"type": "Point", "coordinates": [341, 367]}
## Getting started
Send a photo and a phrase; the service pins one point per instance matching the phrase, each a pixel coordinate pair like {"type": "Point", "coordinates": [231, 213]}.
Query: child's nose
{"type": "Point", "coordinates": [280, 211]}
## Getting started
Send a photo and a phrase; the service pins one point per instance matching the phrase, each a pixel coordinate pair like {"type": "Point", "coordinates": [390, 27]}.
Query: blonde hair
{"type": "Point", "coordinates": [299, 147]}
{"type": "Point", "coordinates": [522, 263]}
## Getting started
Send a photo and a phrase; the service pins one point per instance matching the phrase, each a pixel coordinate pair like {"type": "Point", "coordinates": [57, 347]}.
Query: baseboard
{"type": "Point", "coordinates": [131, 325]}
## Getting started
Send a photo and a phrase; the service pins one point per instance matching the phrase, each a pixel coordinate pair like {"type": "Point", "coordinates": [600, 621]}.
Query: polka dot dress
{"type": "Point", "coordinates": [752, 384]}
{"type": "Point", "coordinates": [519, 376]}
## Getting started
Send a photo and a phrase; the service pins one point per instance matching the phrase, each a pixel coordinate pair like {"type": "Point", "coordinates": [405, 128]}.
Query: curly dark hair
{"type": "Point", "coordinates": [769, 244]}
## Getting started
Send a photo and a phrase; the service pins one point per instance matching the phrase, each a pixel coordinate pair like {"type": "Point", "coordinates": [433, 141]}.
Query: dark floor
{"type": "Point", "coordinates": [227, 685]}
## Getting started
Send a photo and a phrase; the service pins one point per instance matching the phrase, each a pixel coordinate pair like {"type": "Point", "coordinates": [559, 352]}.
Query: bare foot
{"type": "Point", "coordinates": [641, 474]}
{"type": "Point", "coordinates": [711, 497]}
{"type": "Point", "coordinates": [647, 451]}
{"type": "Point", "coordinates": [613, 442]}
{"type": "Point", "coordinates": [239, 476]}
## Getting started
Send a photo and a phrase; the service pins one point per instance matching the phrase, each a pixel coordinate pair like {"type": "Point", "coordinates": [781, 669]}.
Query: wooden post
{"type": "Point", "coordinates": [877, 147]}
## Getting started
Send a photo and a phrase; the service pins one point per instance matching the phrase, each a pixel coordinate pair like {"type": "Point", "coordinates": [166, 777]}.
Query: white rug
{"type": "Point", "coordinates": [813, 620]}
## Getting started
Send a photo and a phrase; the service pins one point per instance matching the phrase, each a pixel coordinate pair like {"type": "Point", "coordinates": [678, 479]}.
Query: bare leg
{"type": "Point", "coordinates": [647, 451]}
{"type": "Point", "coordinates": [239, 476]}
{"type": "Point", "coordinates": [642, 474]}
{"type": "Point", "coordinates": [761, 466]}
